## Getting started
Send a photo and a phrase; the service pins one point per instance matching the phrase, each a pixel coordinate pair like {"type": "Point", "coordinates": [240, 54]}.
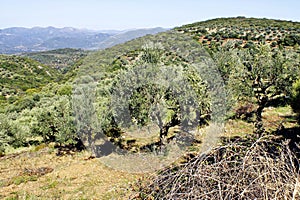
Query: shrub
{"type": "Point", "coordinates": [273, 44]}
{"type": "Point", "coordinates": [249, 44]}
{"type": "Point", "coordinates": [291, 40]}
{"type": "Point", "coordinates": [11, 133]}
{"type": "Point", "coordinates": [23, 103]}
{"type": "Point", "coordinates": [295, 102]}
{"type": "Point", "coordinates": [65, 90]}
{"type": "Point", "coordinates": [55, 123]}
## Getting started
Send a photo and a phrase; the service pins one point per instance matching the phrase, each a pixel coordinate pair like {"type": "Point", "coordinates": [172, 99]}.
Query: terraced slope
{"type": "Point", "coordinates": [245, 31]}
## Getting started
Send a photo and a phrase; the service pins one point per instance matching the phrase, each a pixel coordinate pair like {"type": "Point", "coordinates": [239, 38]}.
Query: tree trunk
{"type": "Point", "coordinates": [262, 99]}
{"type": "Point", "coordinates": [163, 132]}
{"type": "Point", "coordinates": [259, 126]}
{"type": "Point", "coordinates": [164, 129]}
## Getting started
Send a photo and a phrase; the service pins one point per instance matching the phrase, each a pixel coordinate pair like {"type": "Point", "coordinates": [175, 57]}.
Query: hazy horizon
{"type": "Point", "coordinates": [87, 29]}
{"type": "Point", "coordinates": [135, 14]}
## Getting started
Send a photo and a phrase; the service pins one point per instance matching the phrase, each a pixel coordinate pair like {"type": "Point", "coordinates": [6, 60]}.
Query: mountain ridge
{"type": "Point", "coordinates": [16, 40]}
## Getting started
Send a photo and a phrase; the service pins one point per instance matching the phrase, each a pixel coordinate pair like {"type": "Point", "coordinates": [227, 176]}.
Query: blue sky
{"type": "Point", "coordinates": [127, 14]}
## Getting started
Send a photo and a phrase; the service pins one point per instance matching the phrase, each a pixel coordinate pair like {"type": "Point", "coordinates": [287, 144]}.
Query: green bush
{"type": "Point", "coordinates": [65, 90]}
{"type": "Point", "coordinates": [11, 132]}
{"type": "Point", "coordinates": [295, 103]}
{"type": "Point", "coordinates": [55, 122]}
{"type": "Point", "coordinates": [2, 98]}
{"type": "Point", "coordinates": [291, 40]}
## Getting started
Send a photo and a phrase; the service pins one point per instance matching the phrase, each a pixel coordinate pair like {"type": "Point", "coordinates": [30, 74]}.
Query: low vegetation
{"type": "Point", "coordinates": [296, 98]}
{"type": "Point", "coordinates": [245, 32]}
{"type": "Point", "coordinates": [60, 59]}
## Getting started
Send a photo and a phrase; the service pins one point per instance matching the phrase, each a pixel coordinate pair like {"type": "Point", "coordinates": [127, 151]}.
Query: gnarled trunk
{"type": "Point", "coordinates": [259, 126]}
{"type": "Point", "coordinates": [164, 128]}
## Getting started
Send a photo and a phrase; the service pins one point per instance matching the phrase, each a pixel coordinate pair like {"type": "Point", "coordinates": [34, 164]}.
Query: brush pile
{"type": "Point", "coordinates": [242, 169]}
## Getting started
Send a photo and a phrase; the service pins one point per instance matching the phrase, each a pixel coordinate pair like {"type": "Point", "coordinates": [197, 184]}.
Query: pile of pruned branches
{"type": "Point", "coordinates": [242, 169]}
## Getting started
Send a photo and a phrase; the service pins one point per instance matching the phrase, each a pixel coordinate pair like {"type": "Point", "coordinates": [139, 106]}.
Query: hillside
{"type": "Point", "coordinates": [215, 33]}
{"type": "Point", "coordinates": [244, 31]}
{"type": "Point", "coordinates": [60, 59]}
{"type": "Point", "coordinates": [19, 74]}
{"type": "Point", "coordinates": [159, 104]}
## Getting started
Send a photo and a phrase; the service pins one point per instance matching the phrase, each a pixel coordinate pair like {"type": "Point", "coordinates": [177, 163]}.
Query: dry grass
{"type": "Point", "coordinates": [273, 117]}
{"type": "Point", "coordinates": [237, 127]}
{"type": "Point", "coordinates": [23, 176]}
{"type": "Point", "coordinates": [248, 169]}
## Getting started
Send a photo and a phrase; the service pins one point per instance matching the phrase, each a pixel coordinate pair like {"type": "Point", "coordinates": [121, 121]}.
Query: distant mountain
{"type": "Point", "coordinates": [127, 36]}
{"type": "Point", "coordinates": [20, 40]}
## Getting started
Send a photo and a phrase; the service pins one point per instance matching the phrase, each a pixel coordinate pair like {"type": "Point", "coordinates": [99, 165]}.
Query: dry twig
{"type": "Point", "coordinates": [250, 169]}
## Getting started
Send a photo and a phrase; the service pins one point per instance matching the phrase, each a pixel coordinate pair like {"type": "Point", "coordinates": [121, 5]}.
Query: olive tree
{"type": "Point", "coordinates": [54, 120]}
{"type": "Point", "coordinates": [156, 90]}
{"type": "Point", "coordinates": [264, 75]}
{"type": "Point", "coordinates": [15, 129]}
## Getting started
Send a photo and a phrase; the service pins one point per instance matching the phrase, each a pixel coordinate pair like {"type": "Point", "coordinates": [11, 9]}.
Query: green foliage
{"type": "Point", "coordinates": [88, 118]}
{"type": "Point", "coordinates": [50, 119]}
{"type": "Point", "coordinates": [160, 87]}
{"type": "Point", "coordinates": [252, 30]}
{"type": "Point", "coordinates": [35, 98]}
{"type": "Point", "coordinates": [269, 74]}
{"type": "Point", "coordinates": [55, 122]}
{"type": "Point", "coordinates": [152, 52]}
{"type": "Point", "coordinates": [65, 90]}
{"type": "Point", "coordinates": [24, 103]}
{"type": "Point", "coordinates": [20, 77]}
{"type": "Point", "coordinates": [6, 132]}
{"type": "Point", "coordinates": [141, 83]}
{"type": "Point", "coordinates": [295, 101]}
{"type": "Point", "coordinates": [61, 59]}
{"type": "Point", "coordinates": [291, 40]}
{"type": "Point", "coordinates": [12, 131]}
{"type": "Point", "coordinates": [263, 75]}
